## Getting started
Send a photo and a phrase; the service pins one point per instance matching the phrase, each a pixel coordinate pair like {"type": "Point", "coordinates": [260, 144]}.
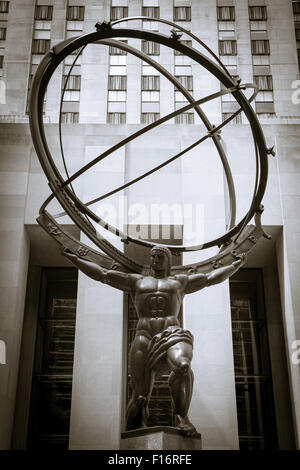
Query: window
{"type": "Point", "coordinates": [186, 81]}
{"type": "Point", "coordinates": [40, 46]}
{"type": "Point", "coordinates": [41, 33]}
{"type": "Point", "coordinates": [258, 13]}
{"type": "Point", "coordinates": [4, 6]}
{"type": "Point", "coordinates": [258, 25]}
{"type": "Point", "coordinates": [2, 33]}
{"type": "Point", "coordinates": [69, 118]}
{"type": "Point", "coordinates": [296, 7]}
{"type": "Point", "coordinates": [261, 60]}
{"type": "Point", "coordinates": [150, 83]}
{"type": "Point", "coordinates": [149, 118]}
{"type": "Point", "coordinates": [253, 380]}
{"type": "Point", "coordinates": [116, 118]}
{"type": "Point", "coordinates": [117, 82]}
{"type": "Point", "coordinates": [117, 13]}
{"type": "Point", "coordinates": [226, 30]}
{"type": "Point", "coordinates": [226, 14]}
{"type": "Point", "coordinates": [182, 13]}
{"type": "Point", "coordinates": [264, 82]}
{"type": "Point", "coordinates": [1, 61]}
{"type": "Point", "coordinates": [187, 42]}
{"type": "Point", "coordinates": [264, 97]}
{"type": "Point", "coordinates": [150, 48]}
{"type": "Point", "coordinates": [72, 95]}
{"type": "Point", "coordinates": [74, 82]}
{"type": "Point", "coordinates": [75, 13]}
{"type": "Point", "coordinates": [50, 408]}
{"type": "Point", "coordinates": [117, 96]}
{"type": "Point", "coordinates": [227, 47]}
{"type": "Point", "coordinates": [117, 60]}
{"type": "Point", "coordinates": [43, 12]}
{"type": "Point", "coordinates": [116, 51]}
{"type": "Point", "coordinates": [75, 25]}
{"type": "Point", "coordinates": [150, 25]}
{"type": "Point", "coordinates": [260, 47]}
{"type": "Point", "coordinates": [42, 25]}
{"type": "Point", "coordinates": [179, 97]}
{"type": "Point", "coordinates": [297, 31]}
{"type": "Point", "coordinates": [236, 120]}
{"type": "Point", "coordinates": [150, 96]}
{"type": "Point", "coordinates": [184, 118]}
{"type": "Point", "coordinates": [151, 12]}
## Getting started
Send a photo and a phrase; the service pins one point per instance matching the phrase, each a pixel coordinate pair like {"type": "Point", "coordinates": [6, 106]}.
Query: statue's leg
{"type": "Point", "coordinates": [142, 378]}
{"type": "Point", "coordinates": [181, 381]}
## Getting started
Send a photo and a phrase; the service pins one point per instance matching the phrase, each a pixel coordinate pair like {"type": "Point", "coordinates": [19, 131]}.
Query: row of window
{"type": "Point", "coordinates": [179, 13]}
{"type": "Point", "coordinates": [76, 13]}
{"type": "Point", "coordinates": [261, 48]}
{"type": "Point", "coordinates": [149, 118]}
{"type": "Point", "coordinates": [227, 47]}
{"type": "Point", "coordinates": [183, 13]}
{"type": "Point", "coordinates": [258, 47]}
{"type": "Point", "coordinates": [148, 83]}
{"type": "Point", "coordinates": [120, 118]}
{"type": "Point", "coordinates": [4, 8]}
{"type": "Point", "coordinates": [148, 47]}
{"type": "Point", "coordinates": [256, 13]}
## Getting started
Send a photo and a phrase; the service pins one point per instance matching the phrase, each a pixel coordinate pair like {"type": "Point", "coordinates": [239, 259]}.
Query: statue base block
{"type": "Point", "coordinates": [159, 438]}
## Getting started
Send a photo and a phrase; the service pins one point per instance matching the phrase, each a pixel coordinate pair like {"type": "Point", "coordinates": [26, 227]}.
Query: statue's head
{"type": "Point", "coordinates": [160, 259]}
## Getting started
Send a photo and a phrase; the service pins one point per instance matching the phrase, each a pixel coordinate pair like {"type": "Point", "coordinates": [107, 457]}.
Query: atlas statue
{"type": "Point", "coordinates": [160, 344]}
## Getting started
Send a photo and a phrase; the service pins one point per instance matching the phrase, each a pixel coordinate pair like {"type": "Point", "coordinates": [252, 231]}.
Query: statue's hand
{"type": "Point", "coordinates": [241, 259]}
{"type": "Point", "coordinates": [68, 254]}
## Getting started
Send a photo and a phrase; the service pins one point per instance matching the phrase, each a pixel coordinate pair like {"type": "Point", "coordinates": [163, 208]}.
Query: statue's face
{"type": "Point", "coordinates": [159, 260]}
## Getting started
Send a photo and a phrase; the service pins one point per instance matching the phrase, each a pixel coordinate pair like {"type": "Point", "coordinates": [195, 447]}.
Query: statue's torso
{"type": "Point", "coordinates": [157, 302]}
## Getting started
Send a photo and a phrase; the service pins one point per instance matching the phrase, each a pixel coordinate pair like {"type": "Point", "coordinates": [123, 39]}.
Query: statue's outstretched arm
{"type": "Point", "coordinates": [221, 274]}
{"type": "Point", "coordinates": [198, 281]}
{"type": "Point", "coordinates": [114, 278]}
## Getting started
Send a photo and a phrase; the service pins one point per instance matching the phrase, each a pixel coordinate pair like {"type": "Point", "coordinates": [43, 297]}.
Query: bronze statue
{"type": "Point", "coordinates": [160, 344]}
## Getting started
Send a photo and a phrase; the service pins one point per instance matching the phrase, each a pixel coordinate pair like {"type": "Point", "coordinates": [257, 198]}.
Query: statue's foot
{"type": "Point", "coordinates": [135, 413]}
{"type": "Point", "coordinates": [184, 424]}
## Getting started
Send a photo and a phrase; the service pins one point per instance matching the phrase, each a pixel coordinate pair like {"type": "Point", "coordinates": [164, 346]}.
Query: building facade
{"type": "Point", "coordinates": [63, 336]}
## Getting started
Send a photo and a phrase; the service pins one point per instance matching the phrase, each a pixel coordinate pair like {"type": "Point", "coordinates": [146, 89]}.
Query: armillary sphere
{"type": "Point", "coordinates": [239, 236]}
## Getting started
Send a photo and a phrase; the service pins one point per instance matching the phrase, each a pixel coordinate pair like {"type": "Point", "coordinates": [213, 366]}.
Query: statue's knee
{"type": "Point", "coordinates": [183, 367]}
{"type": "Point", "coordinates": [141, 401]}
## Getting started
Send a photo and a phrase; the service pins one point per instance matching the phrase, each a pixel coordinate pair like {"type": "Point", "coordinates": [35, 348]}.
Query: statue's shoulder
{"type": "Point", "coordinates": [181, 277]}
{"type": "Point", "coordinates": [135, 277]}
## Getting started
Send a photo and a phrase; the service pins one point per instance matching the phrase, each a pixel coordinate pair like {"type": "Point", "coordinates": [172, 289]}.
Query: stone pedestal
{"type": "Point", "coordinates": [159, 438]}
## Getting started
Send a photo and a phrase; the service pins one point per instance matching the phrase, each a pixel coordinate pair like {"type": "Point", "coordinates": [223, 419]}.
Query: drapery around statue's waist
{"type": "Point", "coordinates": [161, 342]}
